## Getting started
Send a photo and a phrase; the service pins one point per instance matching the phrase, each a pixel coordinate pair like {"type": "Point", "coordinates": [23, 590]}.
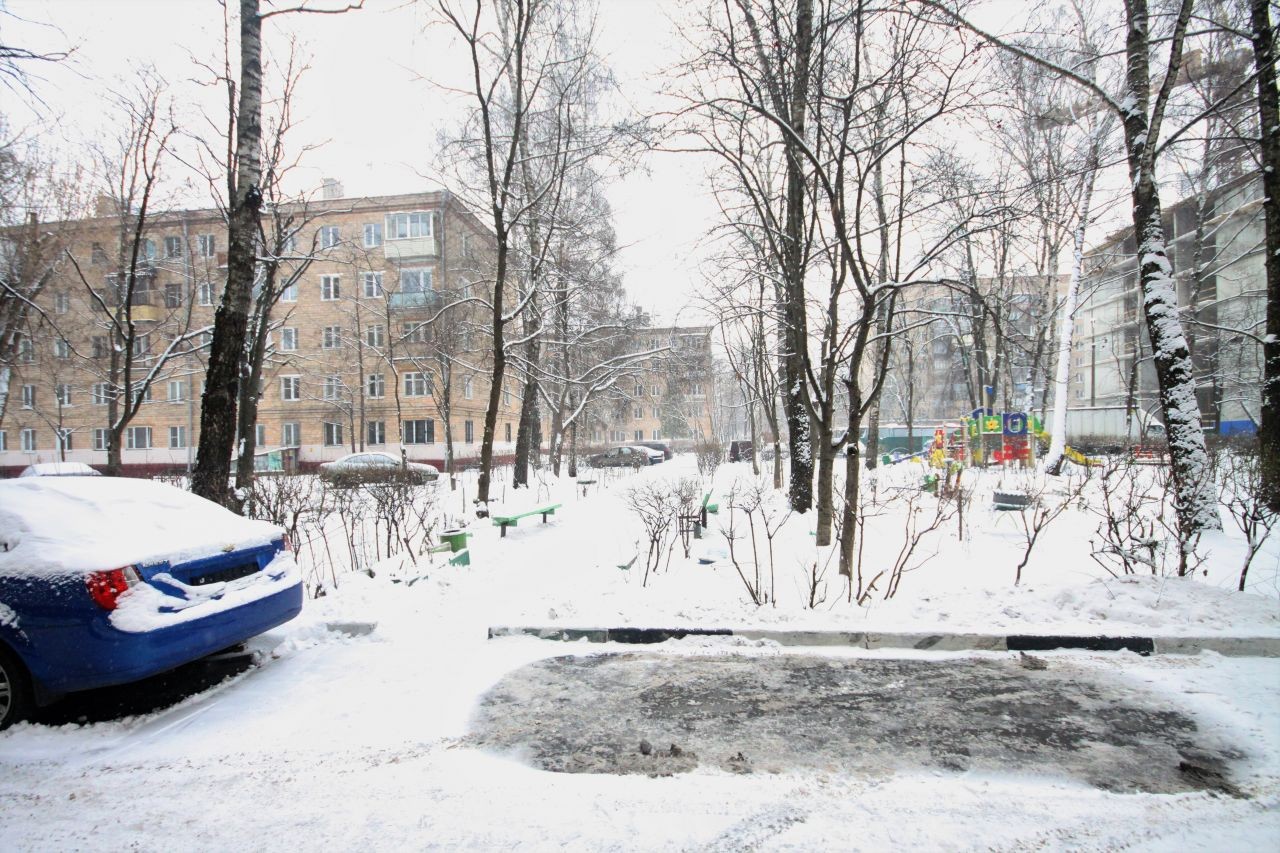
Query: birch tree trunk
{"type": "Point", "coordinates": [1194, 499]}
{"type": "Point", "coordinates": [1066, 326]}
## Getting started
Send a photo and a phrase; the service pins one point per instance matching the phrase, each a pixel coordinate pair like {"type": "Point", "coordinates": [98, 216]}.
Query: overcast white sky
{"type": "Point", "coordinates": [367, 97]}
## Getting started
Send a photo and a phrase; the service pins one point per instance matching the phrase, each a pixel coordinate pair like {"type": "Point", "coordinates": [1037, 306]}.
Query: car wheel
{"type": "Point", "coordinates": [15, 689]}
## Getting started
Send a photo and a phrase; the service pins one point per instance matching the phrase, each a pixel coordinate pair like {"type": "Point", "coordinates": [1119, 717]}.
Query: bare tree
{"type": "Point", "coordinates": [1141, 109]}
{"type": "Point", "coordinates": [218, 419]}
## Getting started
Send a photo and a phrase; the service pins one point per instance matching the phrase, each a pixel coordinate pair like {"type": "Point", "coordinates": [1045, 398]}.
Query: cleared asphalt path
{"type": "Point", "coordinates": [661, 714]}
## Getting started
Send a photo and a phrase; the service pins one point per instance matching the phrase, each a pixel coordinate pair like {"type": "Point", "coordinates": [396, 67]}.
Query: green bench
{"type": "Point", "coordinates": [455, 542]}
{"type": "Point", "coordinates": [505, 521]}
{"type": "Point", "coordinates": [708, 507]}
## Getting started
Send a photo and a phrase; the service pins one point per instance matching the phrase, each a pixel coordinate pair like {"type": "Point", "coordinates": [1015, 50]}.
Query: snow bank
{"type": "Point", "coordinates": [81, 524]}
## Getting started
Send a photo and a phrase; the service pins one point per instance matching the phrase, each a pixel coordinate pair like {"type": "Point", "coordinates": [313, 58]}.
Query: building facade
{"type": "Point", "coordinates": [671, 399]}
{"type": "Point", "coordinates": [359, 355]}
{"type": "Point", "coordinates": [1216, 243]}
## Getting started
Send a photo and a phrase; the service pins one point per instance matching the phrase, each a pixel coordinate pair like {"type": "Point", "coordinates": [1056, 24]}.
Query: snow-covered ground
{"type": "Point", "coordinates": [360, 742]}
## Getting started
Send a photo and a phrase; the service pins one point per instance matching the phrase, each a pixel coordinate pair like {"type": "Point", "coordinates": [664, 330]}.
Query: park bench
{"type": "Point", "coordinates": [455, 542]}
{"type": "Point", "coordinates": [505, 521]}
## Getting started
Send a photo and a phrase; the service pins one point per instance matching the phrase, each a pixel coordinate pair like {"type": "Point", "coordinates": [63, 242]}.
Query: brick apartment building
{"type": "Point", "coordinates": [358, 356]}
{"type": "Point", "coordinates": [352, 359]}
{"type": "Point", "coordinates": [673, 400]}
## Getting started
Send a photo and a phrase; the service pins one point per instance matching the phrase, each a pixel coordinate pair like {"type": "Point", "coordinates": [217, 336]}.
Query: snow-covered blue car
{"type": "Point", "coordinates": [107, 580]}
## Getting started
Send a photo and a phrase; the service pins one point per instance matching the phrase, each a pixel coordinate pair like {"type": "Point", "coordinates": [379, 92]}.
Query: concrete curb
{"type": "Point", "coordinates": [1268, 647]}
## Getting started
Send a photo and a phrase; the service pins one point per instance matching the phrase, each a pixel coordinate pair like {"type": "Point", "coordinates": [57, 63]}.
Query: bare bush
{"type": "Point", "coordinates": [710, 453]}
{"type": "Point", "coordinates": [654, 502]}
{"type": "Point", "coordinates": [1042, 509]}
{"type": "Point", "coordinates": [918, 525]}
{"type": "Point", "coordinates": [1130, 520]}
{"type": "Point", "coordinates": [1241, 493]}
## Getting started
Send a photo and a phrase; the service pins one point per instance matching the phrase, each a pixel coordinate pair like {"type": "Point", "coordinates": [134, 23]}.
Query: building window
{"type": "Point", "coordinates": [421, 431]}
{"type": "Point", "coordinates": [373, 336]}
{"type": "Point", "coordinates": [506, 396]}
{"type": "Point", "coordinates": [332, 434]}
{"type": "Point", "coordinates": [638, 412]}
{"type": "Point", "coordinates": [138, 438]}
{"type": "Point", "coordinates": [376, 385]}
{"type": "Point", "coordinates": [639, 435]}
{"type": "Point", "coordinates": [329, 289]}
{"type": "Point", "coordinates": [290, 434]}
{"type": "Point", "coordinates": [332, 337]}
{"type": "Point", "coordinates": [290, 387]}
{"type": "Point", "coordinates": [177, 437]}
{"type": "Point", "coordinates": [655, 412]}
{"type": "Point", "coordinates": [204, 293]}
{"type": "Point", "coordinates": [100, 347]}
{"type": "Point", "coordinates": [97, 254]}
{"type": "Point", "coordinates": [414, 333]}
{"type": "Point", "coordinates": [63, 437]}
{"type": "Point", "coordinates": [260, 435]}
{"type": "Point", "coordinates": [173, 247]}
{"type": "Point", "coordinates": [28, 396]}
{"type": "Point", "coordinates": [100, 436]}
{"type": "Point", "coordinates": [61, 303]}
{"type": "Point", "coordinates": [415, 281]}
{"type": "Point", "coordinates": [61, 349]}
{"type": "Point", "coordinates": [288, 339]}
{"type": "Point", "coordinates": [206, 245]}
{"type": "Point", "coordinates": [657, 434]}
{"type": "Point", "coordinates": [332, 388]}
{"type": "Point", "coordinates": [372, 237]}
{"type": "Point", "coordinates": [372, 285]}
{"type": "Point", "coordinates": [177, 390]}
{"type": "Point", "coordinates": [407, 226]}
{"type": "Point", "coordinates": [468, 388]}
{"type": "Point", "coordinates": [329, 239]}
{"type": "Point", "coordinates": [28, 440]}
{"type": "Point", "coordinates": [141, 346]}
{"type": "Point", "coordinates": [173, 295]}
{"type": "Point", "coordinates": [469, 432]}
{"type": "Point", "coordinates": [289, 293]}
{"type": "Point", "coordinates": [656, 391]}
{"type": "Point", "coordinates": [62, 393]}
{"type": "Point", "coordinates": [375, 432]}
{"type": "Point", "coordinates": [507, 428]}
{"type": "Point", "coordinates": [415, 384]}
{"type": "Point", "coordinates": [639, 390]}
{"type": "Point", "coordinates": [26, 350]}
{"type": "Point", "coordinates": [101, 393]}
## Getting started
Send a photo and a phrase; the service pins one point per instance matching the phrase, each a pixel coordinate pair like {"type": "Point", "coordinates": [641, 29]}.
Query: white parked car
{"type": "Point", "coordinates": [654, 456]}
{"type": "Point", "coordinates": [59, 469]}
{"type": "Point", "coordinates": [376, 468]}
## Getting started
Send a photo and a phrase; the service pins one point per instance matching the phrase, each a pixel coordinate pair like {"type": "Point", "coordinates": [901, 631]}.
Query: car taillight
{"type": "Point", "coordinates": [105, 588]}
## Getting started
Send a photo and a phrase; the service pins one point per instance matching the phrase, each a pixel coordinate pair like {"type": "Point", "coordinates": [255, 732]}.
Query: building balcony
{"type": "Point", "coordinates": [147, 313]}
{"type": "Point", "coordinates": [415, 299]}
{"type": "Point", "coordinates": [410, 249]}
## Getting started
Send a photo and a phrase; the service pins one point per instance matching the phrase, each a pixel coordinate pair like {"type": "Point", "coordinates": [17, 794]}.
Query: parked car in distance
{"type": "Point", "coordinates": [739, 451]}
{"type": "Point", "coordinates": [621, 457]}
{"type": "Point", "coordinates": [667, 452]}
{"type": "Point", "coordinates": [59, 469]}
{"type": "Point", "coordinates": [108, 580]}
{"type": "Point", "coordinates": [357, 468]}
{"type": "Point", "coordinates": [655, 456]}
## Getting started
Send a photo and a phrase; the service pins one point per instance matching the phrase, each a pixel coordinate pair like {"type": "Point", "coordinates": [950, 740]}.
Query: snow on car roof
{"type": "Point", "coordinates": [53, 525]}
{"type": "Point", "coordinates": [58, 469]}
